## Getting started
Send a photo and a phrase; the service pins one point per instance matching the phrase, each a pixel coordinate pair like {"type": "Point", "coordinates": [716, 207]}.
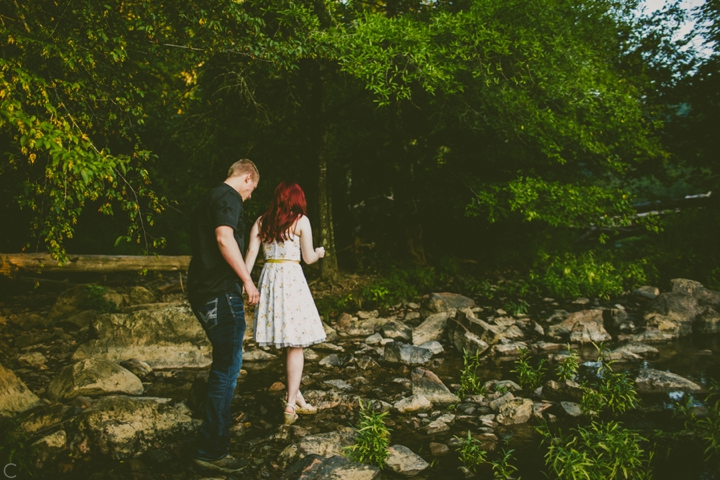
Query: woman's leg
{"type": "Point", "coordinates": [294, 362]}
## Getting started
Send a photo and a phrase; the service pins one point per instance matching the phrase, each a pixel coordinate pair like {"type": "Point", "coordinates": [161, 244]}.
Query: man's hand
{"type": "Point", "coordinates": [252, 293]}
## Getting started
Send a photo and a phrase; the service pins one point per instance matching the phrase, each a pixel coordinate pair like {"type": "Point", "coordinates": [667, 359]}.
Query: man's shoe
{"type": "Point", "coordinates": [227, 464]}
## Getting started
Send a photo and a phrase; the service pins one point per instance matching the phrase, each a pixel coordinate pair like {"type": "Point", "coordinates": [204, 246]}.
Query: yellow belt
{"type": "Point", "coordinates": [277, 260]}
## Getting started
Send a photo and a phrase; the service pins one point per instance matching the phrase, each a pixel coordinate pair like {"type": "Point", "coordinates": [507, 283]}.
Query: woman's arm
{"type": "Point", "coordinates": [254, 246]}
{"type": "Point", "coordinates": [309, 254]}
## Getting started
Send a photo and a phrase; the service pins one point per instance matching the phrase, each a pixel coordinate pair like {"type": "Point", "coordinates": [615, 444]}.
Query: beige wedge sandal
{"type": "Point", "coordinates": [290, 417]}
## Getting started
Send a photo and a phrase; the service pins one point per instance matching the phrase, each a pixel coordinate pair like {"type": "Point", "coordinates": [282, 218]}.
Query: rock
{"type": "Point", "coordinates": [331, 360]}
{"type": "Point", "coordinates": [539, 409]}
{"type": "Point", "coordinates": [328, 347]}
{"type": "Point", "coordinates": [415, 403]}
{"type": "Point", "coordinates": [465, 341]}
{"type": "Point", "coordinates": [397, 330]}
{"type": "Point", "coordinates": [258, 355]}
{"type": "Point", "coordinates": [584, 327]}
{"type": "Point", "coordinates": [516, 411]}
{"type": "Point", "coordinates": [76, 299]}
{"type": "Point", "coordinates": [354, 326]}
{"type": "Point", "coordinates": [647, 291]}
{"type": "Point", "coordinates": [169, 337]}
{"type": "Point", "coordinates": [331, 334]}
{"type": "Point", "coordinates": [652, 381]}
{"type": "Point", "coordinates": [15, 397]}
{"type": "Point", "coordinates": [367, 315]}
{"type": "Point", "coordinates": [466, 320]}
{"type": "Point", "coordinates": [316, 467]}
{"type": "Point", "coordinates": [323, 400]}
{"type": "Point", "coordinates": [43, 419]}
{"type": "Point", "coordinates": [404, 461]}
{"type": "Point", "coordinates": [28, 321]}
{"type": "Point", "coordinates": [562, 390]}
{"type": "Point", "coordinates": [496, 404]}
{"type": "Point", "coordinates": [92, 377]}
{"type": "Point", "coordinates": [440, 424]}
{"type": "Point", "coordinates": [509, 349]}
{"type": "Point", "coordinates": [614, 318]}
{"type": "Point", "coordinates": [78, 321]}
{"type": "Point", "coordinates": [398, 352]}
{"type": "Point", "coordinates": [367, 363]}
{"type": "Point", "coordinates": [32, 338]}
{"type": "Point", "coordinates": [541, 347]}
{"type": "Point", "coordinates": [137, 367]}
{"type": "Point", "coordinates": [435, 347]}
{"type": "Point", "coordinates": [310, 355]}
{"type": "Point", "coordinates": [48, 448]}
{"type": "Point", "coordinates": [338, 384]}
{"type": "Point", "coordinates": [124, 427]}
{"type": "Point", "coordinates": [374, 339]}
{"type": "Point", "coordinates": [439, 449]}
{"type": "Point", "coordinates": [33, 359]}
{"type": "Point", "coordinates": [432, 329]}
{"type": "Point", "coordinates": [323, 444]}
{"type": "Point", "coordinates": [507, 385]}
{"type": "Point", "coordinates": [426, 383]}
{"type": "Point", "coordinates": [571, 409]}
{"type": "Point", "coordinates": [633, 351]}
{"type": "Point", "coordinates": [139, 295]}
{"type": "Point", "coordinates": [688, 307]}
{"type": "Point", "coordinates": [649, 335]}
{"type": "Point", "coordinates": [444, 302]}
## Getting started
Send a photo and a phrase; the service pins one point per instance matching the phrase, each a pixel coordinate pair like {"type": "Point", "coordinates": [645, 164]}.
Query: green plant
{"type": "Point", "coordinates": [96, 300]}
{"type": "Point", "coordinates": [588, 274]}
{"type": "Point", "coordinates": [567, 369]}
{"type": "Point", "coordinates": [599, 451]}
{"type": "Point", "coordinates": [502, 468]}
{"type": "Point", "coordinates": [517, 309]}
{"type": "Point", "coordinates": [471, 455]}
{"type": "Point", "coordinates": [502, 389]}
{"type": "Point", "coordinates": [614, 391]}
{"type": "Point", "coordinates": [470, 383]}
{"type": "Point", "coordinates": [373, 439]}
{"type": "Point", "coordinates": [528, 376]}
{"type": "Point", "coordinates": [592, 403]}
{"type": "Point", "coordinates": [707, 429]}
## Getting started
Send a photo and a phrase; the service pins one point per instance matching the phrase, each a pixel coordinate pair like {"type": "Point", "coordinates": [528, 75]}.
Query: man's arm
{"type": "Point", "coordinates": [231, 253]}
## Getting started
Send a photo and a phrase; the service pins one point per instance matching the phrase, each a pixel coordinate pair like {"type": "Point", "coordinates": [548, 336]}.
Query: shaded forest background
{"type": "Point", "coordinates": [440, 143]}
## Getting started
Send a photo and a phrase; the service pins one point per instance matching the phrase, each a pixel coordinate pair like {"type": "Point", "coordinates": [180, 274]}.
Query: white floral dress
{"type": "Point", "coordinates": [286, 315]}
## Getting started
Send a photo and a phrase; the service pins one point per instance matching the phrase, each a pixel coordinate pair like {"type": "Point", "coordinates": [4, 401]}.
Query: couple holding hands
{"type": "Point", "coordinates": [285, 316]}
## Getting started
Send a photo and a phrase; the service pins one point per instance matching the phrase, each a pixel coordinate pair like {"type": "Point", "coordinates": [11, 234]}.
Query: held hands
{"type": "Point", "coordinates": [320, 252]}
{"type": "Point", "coordinates": [252, 293]}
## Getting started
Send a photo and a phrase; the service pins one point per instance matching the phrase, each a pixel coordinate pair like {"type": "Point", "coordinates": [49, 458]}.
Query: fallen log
{"type": "Point", "coordinates": [10, 264]}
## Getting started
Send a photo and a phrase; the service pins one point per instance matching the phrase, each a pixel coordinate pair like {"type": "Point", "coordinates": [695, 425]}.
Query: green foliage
{"type": "Point", "coordinates": [517, 308]}
{"type": "Point", "coordinates": [502, 468]}
{"type": "Point", "coordinates": [373, 439]}
{"type": "Point", "coordinates": [571, 276]}
{"type": "Point", "coordinates": [470, 383]}
{"type": "Point", "coordinates": [399, 284]}
{"type": "Point", "coordinates": [501, 388]}
{"type": "Point", "coordinates": [14, 448]}
{"type": "Point", "coordinates": [600, 451]}
{"type": "Point", "coordinates": [96, 300]}
{"type": "Point", "coordinates": [567, 369]}
{"type": "Point", "coordinates": [707, 429]}
{"type": "Point", "coordinates": [471, 455]}
{"type": "Point", "coordinates": [529, 377]}
{"type": "Point", "coordinates": [614, 391]}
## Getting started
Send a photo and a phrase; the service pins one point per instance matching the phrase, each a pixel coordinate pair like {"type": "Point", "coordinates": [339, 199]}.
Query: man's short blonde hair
{"type": "Point", "coordinates": [243, 167]}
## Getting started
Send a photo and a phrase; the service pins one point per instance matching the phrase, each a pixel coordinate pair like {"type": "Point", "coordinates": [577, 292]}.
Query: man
{"type": "Point", "coordinates": [215, 275]}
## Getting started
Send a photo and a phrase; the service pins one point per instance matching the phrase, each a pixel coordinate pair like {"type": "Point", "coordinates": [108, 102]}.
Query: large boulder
{"type": "Point", "coordinates": [432, 329]}
{"type": "Point", "coordinates": [688, 307]}
{"type": "Point", "coordinates": [166, 337]}
{"type": "Point", "coordinates": [316, 467]}
{"type": "Point", "coordinates": [444, 302]}
{"type": "Point", "coordinates": [139, 295]}
{"type": "Point", "coordinates": [426, 383]}
{"type": "Point", "coordinates": [397, 330]}
{"type": "Point", "coordinates": [15, 397]}
{"type": "Point", "coordinates": [404, 461]}
{"type": "Point", "coordinates": [358, 326]}
{"type": "Point", "coordinates": [415, 403]}
{"type": "Point", "coordinates": [585, 326]}
{"type": "Point", "coordinates": [323, 444]}
{"type": "Point", "coordinates": [516, 411]}
{"type": "Point", "coordinates": [79, 298]}
{"type": "Point", "coordinates": [398, 352]}
{"type": "Point", "coordinates": [656, 381]}
{"type": "Point", "coordinates": [124, 427]}
{"type": "Point", "coordinates": [93, 377]}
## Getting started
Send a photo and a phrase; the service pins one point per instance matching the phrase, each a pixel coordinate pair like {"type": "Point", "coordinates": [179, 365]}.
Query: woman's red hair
{"type": "Point", "coordinates": [288, 204]}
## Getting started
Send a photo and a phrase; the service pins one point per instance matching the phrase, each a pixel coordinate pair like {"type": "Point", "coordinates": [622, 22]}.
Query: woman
{"type": "Point", "coordinates": [286, 315]}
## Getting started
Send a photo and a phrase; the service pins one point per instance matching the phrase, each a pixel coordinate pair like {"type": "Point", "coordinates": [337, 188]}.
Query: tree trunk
{"type": "Point", "coordinates": [328, 265]}
{"type": "Point", "coordinates": [10, 264]}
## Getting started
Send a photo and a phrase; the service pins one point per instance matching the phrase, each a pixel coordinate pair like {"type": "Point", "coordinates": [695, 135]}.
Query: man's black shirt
{"type": "Point", "coordinates": [209, 275]}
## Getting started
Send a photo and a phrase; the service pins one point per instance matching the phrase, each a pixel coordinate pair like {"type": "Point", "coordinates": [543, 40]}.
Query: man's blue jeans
{"type": "Point", "coordinates": [223, 319]}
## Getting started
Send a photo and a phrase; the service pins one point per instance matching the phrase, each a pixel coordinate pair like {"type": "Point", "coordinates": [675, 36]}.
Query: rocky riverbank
{"type": "Point", "coordinates": [116, 395]}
